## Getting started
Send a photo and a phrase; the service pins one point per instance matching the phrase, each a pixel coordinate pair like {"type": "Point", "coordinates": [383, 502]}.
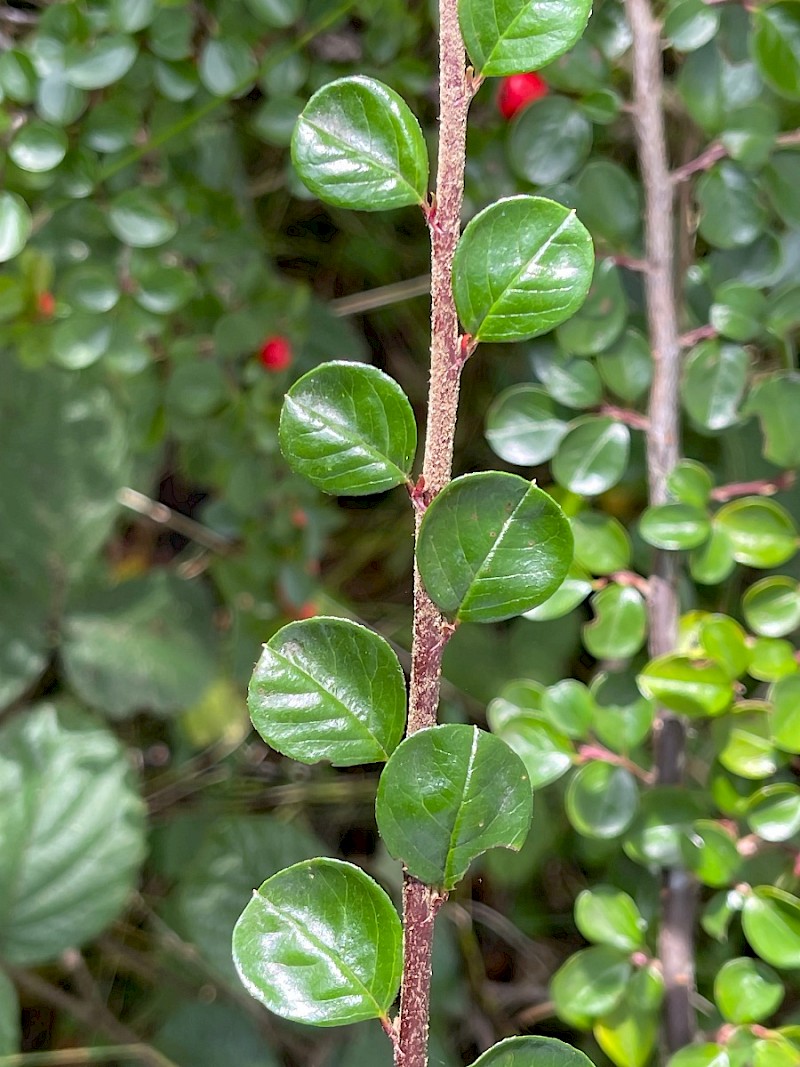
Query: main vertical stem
{"type": "Point", "coordinates": [431, 629]}
{"type": "Point", "coordinates": [676, 949]}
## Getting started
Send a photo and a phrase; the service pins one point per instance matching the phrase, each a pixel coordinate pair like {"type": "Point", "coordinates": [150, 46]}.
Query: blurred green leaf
{"type": "Point", "coordinates": [532, 1052]}
{"type": "Point", "coordinates": [522, 426]}
{"type": "Point", "coordinates": [771, 923]}
{"type": "Point", "coordinates": [761, 533]}
{"type": "Point", "coordinates": [592, 456]}
{"type": "Point", "coordinates": [15, 225]}
{"type": "Point", "coordinates": [602, 800]}
{"type": "Point", "coordinates": [713, 384]}
{"type": "Point", "coordinates": [610, 917]}
{"type": "Point", "coordinates": [549, 141]}
{"type": "Point", "coordinates": [619, 627]}
{"type": "Point", "coordinates": [10, 1027]}
{"type": "Point", "coordinates": [771, 606]}
{"type": "Point", "coordinates": [602, 545]}
{"type": "Point", "coordinates": [86, 835]}
{"type": "Point", "coordinates": [773, 812]}
{"type": "Point", "coordinates": [675, 526]}
{"type": "Point", "coordinates": [776, 47]}
{"type": "Point", "coordinates": [747, 991]}
{"type": "Point", "coordinates": [591, 983]}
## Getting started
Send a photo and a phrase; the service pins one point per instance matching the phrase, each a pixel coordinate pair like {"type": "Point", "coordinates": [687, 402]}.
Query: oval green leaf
{"type": "Point", "coordinates": [619, 627]}
{"type": "Point", "coordinates": [513, 36]}
{"type": "Point", "coordinates": [690, 687]}
{"type": "Point", "coordinates": [16, 224]}
{"type": "Point", "coordinates": [602, 800]}
{"type": "Point", "coordinates": [447, 795]}
{"type": "Point", "coordinates": [591, 983]}
{"type": "Point", "coordinates": [522, 426]}
{"type": "Point", "coordinates": [320, 943]}
{"type": "Point", "coordinates": [747, 991]}
{"type": "Point", "coordinates": [771, 923]}
{"type": "Point", "coordinates": [761, 533]}
{"type": "Point", "coordinates": [357, 145]}
{"type": "Point", "coordinates": [771, 606]}
{"type": "Point", "coordinates": [593, 456]}
{"type": "Point", "coordinates": [329, 689]}
{"type": "Point", "coordinates": [610, 917]}
{"type": "Point", "coordinates": [675, 526]}
{"type": "Point", "coordinates": [774, 812]}
{"type": "Point", "coordinates": [785, 696]}
{"type": "Point", "coordinates": [523, 265]}
{"type": "Point", "coordinates": [349, 429]}
{"type": "Point", "coordinates": [713, 384]}
{"type": "Point", "coordinates": [532, 1052]}
{"type": "Point", "coordinates": [492, 546]}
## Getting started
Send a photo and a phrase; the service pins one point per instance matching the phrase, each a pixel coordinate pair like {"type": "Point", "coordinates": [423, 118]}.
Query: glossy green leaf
{"type": "Point", "coordinates": [710, 852]}
{"type": "Point", "coordinates": [92, 288]}
{"type": "Point", "coordinates": [522, 266]}
{"type": "Point", "coordinates": [771, 606]}
{"type": "Point", "coordinates": [25, 639]}
{"type": "Point", "coordinates": [771, 923]}
{"type": "Point", "coordinates": [570, 706]}
{"type": "Point", "coordinates": [448, 794]}
{"type": "Point", "coordinates": [619, 627]}
{"type": "Point", "coordinates": [277, 14]}
{"type": "Point", "coordinates": [690, 483]}
{"type": "Point", "coordinates": [738, 312]}
{"type": "Point", "coordinates": [713, 562]}
{"type": "Point", "coordinates": [724, 641]}
{"type": "Point", "coordinates": [574, 383]}
{"type": "Point", "coordinates": [532, 1052]}
{"type": "Point", "coordinates": [775, 1050]}
{"type": "Point", "coordinates": [492, 546]}
{"type": "Point", "coordinates": [549, 141]}
{"type": "Point", "coordinates": [349, 429]}
{"type": "Point", "coordinates": [608, 916]}
{"type": "Point", "coordinates": [591, 983]}
{"type": "Point", "coordinates": [17, 75]}
{"type": "Point", "coordinates": [546, 753]}
{"type": "Point", "coordinates": [628, 1034]}
{"type": "Point", "coordinates": [713, 384]}
{"type": "Point", "coordinates": [749, 138]}
{"type": "Point", "coordinates": [772, 659]}
{"type": "Point", "coordinates": [623, 717]}
{"type": "Point", "coordinates": [106, 61]}
{"type": "Point", "coordinates": [511, 36]}
{"type": "Point", "coordinates": [708, 1054]}
{"type": "Point", "coordinates": [627, 366]}
{"type": "Point", "coordinates": [329, 689]}
{"type": "Point", "coordinates": [358, 145]}
{"type": "Point", "coordinates": [15, 225]}
{"type": "Point", "coordinates": [675, 526]}
{"type": "Point", "coordinates": [573, 591]}
{"type": "Point", "coordinates": [776, 47]}
{"type": "Point", "coordinates": [666, 815]}
{"type": "Point", "coordinates": [162, 290]}
{"type": "Point", "coordinates": [775, 399]}
{"type": "Point", "coordinates": [144, 645]}
{"type": "Point", "coordinates": [732, 214]}
{"type": "Point", "coordinates": [81, 340]}
{"type": "Point", "coordinates": [602, 800]}
{"type": "Point", "coordinates": [749, 750]}
{"type": "Point", "coordinates": [227, 66]}
{"type": "Point", "coordinates": [719, 912]}
{"type": "Point", "coordinates": [687, 686]}
{"type": "Point", "coordinates": [10, 1028]}
{"type": "Point", "coordinates": [216, 880]}
{"type": "Point", "coordinates": [593, 455]}
{"type": "Point", "coordinates": [206, 1035]}
{"type": "Point", "coordinates": [87, 835]}
{"type": "Point", "coordinates": [785, 697]}
{"type": "Point", "coordinates": [522, 426]}
{"type": "Point", "coordinates": [600, 322]}
{"type": "Point", "coordinates": [131, 16]}
{"type": "Point", "coordinates": [761, 533]}
{"type": "Point", "coordinates": [38, 147]}
{"type": "Point", "coordinates": [690, 24]}
{"type": "Point", "coordinates": [602, 545]}
{"type": "Point", "coordinates": [320, 943]}
{"type": "Point", "coordinates": [141, 220]}
{"type": "Point", "coordinates": [609, 202]}
{"type": "Point", "coordinates": [774, 812]}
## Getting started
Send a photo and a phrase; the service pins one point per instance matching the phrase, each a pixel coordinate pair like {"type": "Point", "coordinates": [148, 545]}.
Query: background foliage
{"type": "Point", "coordinates": [156, 244]}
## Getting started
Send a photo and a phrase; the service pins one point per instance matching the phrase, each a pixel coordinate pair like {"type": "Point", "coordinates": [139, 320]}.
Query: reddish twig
{"type": "Point", "coordinates": [761, 487]}
{"type": "Point", "coordinates": [717, 150]}
{"type": "Point", "coordinates": [693, 337]}
{"type": "Point", "coordinates": [634, 419]}
{"type": "Point", "coordinates": [589, 753]}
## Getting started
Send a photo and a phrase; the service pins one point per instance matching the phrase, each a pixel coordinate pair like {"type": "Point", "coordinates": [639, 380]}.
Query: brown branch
{"type": "Point", "coordinates": [700, 333]}
{"type": "Point", "coordinates": [717, 150]}
{"type": "Point", "coordinates": [634, 419]}
{"type": "Point", "coordinates": [161, 515]}
{"type": "Point", "coordinates": [431, 629]}
{"type": "Point", "coordinates": [762, 487]}
{"type": "Point", "coordinates": [662, 439]}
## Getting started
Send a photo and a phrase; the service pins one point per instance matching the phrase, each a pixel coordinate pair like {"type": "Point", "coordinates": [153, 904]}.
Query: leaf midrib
{"type": "Point", "coordinates": [361, 156]}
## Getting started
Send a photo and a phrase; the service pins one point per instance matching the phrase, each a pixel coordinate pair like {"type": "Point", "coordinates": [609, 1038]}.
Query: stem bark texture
{"type": "Point", "coordinates": [676, 948]}
{"type": "Point", "coordinates": [431, 629]}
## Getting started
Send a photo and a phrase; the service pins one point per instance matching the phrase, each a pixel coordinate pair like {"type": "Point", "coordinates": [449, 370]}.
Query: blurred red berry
{"type": "Point", "coordinates": [519, 90]}
{"type": "Point", "coordinates": [46, 305]}
{"type": "Point", "coordinates": [275, 354]}
{"type": "Point", "coordinates": [306, 611]}
{"type": "Point", "coordinates": [299, 518]}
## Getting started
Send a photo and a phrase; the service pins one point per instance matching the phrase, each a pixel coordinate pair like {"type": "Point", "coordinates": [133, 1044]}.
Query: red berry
{"type": "Point", "coordinates": [519, 90]}
{"type": "Point", "coordinates": [46, 304]}
{"type": "Point", "coordinates": [306, 611]}
{"type": "Point", "coordinates": [299, 518]}
{"type": "Point", "coordinates": [275, 354]}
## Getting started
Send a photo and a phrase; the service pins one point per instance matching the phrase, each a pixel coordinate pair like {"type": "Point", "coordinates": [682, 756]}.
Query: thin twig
{"type": "Point", "coordinates": [431, 629]}
{"type": "Point", "coordinates": [676, 947]}
{"type": "Point", "coordinates": [158, 513]}
{"type": "Point", "coordinates": [717, 150]}
{"type": "Point", "coordinates": [383, 296]}
{"type": "Point", "coordinates": [77, 1057]}
{"type": "Point", "coordinates": [700, 333]}
{"type": "Point", "coordinates": [761, 487]}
